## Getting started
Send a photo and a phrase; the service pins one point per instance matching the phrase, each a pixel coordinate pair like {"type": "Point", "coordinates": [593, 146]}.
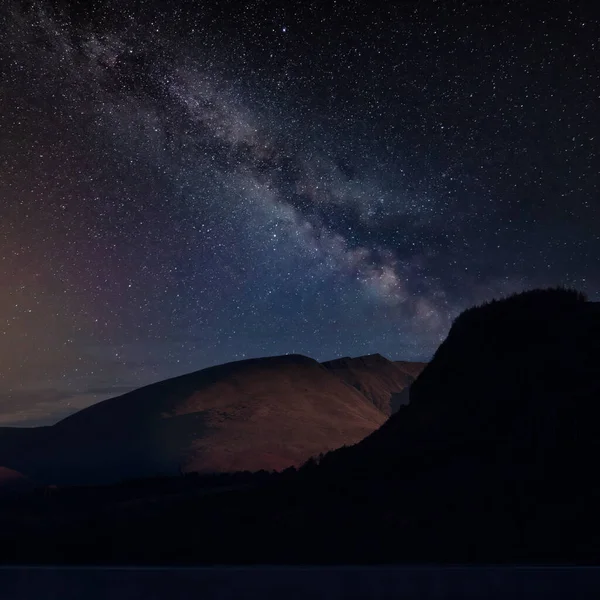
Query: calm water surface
{"type": "Point", "coordinates": [290, 583]}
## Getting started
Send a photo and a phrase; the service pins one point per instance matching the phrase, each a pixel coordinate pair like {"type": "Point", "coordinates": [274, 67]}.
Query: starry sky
{"type": "Point", "coordinates": [185, 186]}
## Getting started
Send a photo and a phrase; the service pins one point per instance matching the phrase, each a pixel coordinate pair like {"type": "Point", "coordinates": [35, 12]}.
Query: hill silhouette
{"type": "Point", "coordinates": [268, 413]}
{"type": "Point", "coordinates": [492, 461]}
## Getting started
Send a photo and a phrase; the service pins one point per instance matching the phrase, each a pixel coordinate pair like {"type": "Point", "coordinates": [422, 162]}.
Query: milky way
{"type": "Point", "coordinates": [184, 187]}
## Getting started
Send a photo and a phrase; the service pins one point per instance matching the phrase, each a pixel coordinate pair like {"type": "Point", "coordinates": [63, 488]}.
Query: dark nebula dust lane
{"type": "Point", "coordinates": [184, 186]}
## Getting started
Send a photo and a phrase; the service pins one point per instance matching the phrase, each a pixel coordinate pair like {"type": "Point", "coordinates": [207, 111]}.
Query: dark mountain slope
{"type": "Point", "coordinates": [529, 364]}
{"type": "Point", "coordinates": [493, 458]}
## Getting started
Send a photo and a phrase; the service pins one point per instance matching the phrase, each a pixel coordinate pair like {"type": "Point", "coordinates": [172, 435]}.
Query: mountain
{"type": "Point", "coordinates": [523, 370]}
{"type": "Point", "coordinates": [268, 413]}
{"type": "Point", "coordinates": [493, 461]}
{"type": "Point", "coordinates": [383, 382]}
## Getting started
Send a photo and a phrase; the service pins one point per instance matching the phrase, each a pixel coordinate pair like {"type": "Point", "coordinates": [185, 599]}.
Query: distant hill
{"type": "Point", "coordinates": [269, 413]}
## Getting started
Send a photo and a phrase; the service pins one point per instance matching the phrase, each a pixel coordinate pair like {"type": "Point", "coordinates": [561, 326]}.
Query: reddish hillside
{"type": "Point", "coordinates": [383, 382]}
{"type": "Point", "coordinates": [256, 414]}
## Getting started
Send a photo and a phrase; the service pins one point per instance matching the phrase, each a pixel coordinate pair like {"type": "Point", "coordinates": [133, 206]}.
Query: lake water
{"type": "Point", "coordinates": [291, 583]}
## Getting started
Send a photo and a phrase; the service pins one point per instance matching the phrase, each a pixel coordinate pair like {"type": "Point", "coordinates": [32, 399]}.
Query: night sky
{"type": "Point", "coordinates": [185, 187]}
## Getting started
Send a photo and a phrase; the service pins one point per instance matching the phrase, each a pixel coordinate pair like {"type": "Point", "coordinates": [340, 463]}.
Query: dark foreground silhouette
{"type": "Point", "coordinates": [492, 461]}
